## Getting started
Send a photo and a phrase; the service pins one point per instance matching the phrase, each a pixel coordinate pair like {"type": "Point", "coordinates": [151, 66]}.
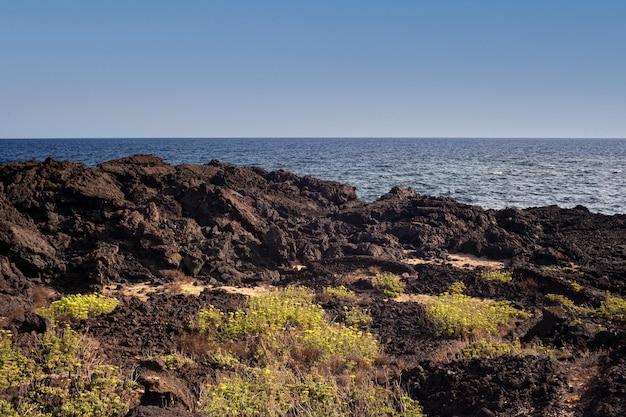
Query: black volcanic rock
{"type": "Point", "coordinates": [133, 218]}
{"type": "Point", "coordinates": [137, 219]}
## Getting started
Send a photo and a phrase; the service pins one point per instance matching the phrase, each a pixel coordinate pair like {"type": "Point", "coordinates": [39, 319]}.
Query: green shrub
{"type": "Point", "coordinates": [78, 306]}
{"type": "Point", "coordinates": [345, 344]}
{"type": "Point", "coordinates": [25, 409]}
{"type": "Point", "coordinates": [497, 275]}
{"type": "Point", "coordinates": [389, 285]}
{"type": "Point", "coordinates": [176, 361]}
{"type": "Point", "coordinates": [7, 410]}
{"type": "Point", "coordinates": [357, 317]}
{"type": "Point", "coordinates": [97, 394]}
{"type": "Point", "coordinates": [576, 286]}
{"type": "Point", "coordinates": [340, 292]}
{"type": "Point", "coordinates": [457, 287]}
{"type": "Point", "coordinates": [280, 355]}
{"type": "Point", "coordinates": [55, 353]}
{"type": "Point", "coordinates": [482, 348]}
{"type": "Point", "coordinates": [572, 269]}
{"type": "Point", "coordinates": [207, 320]}
{"type": "Point", "coordinates": [274, 391]}
{"type": "Point", "coordinates": [63, 378]}
{"type": "Point", "coordinates": [286, 323]}
{"type": "Point", "coordinates": [560, 299]}
{"type": "Point", "coordinates": [256, 393]}
{"type": "Point", "coordinates": [613, 309]}
{"type": "Point", "coordinates": [224, 360]}
{"type": "Point", "coordinates": [274, 312]}
{"type": "Point", "coordinates": [62, 384]}
{"type": "Point", "coordinates": [57, 350]}
{"type": "Point", "coordinates": [457, 315]}
{"type": "Point", "coordinates": [15, 368]}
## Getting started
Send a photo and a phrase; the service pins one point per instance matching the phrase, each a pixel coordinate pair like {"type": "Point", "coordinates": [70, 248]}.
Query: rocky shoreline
{"type": "Point", "coordinates": [140, 224]}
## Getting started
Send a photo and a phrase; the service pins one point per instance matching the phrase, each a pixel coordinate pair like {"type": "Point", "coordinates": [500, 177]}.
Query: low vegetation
{"type": "Point", "coordinates": [275, 392]}
{"type": "Point", "coordinates": [357, 317]}
{"type": "Point", "coordinates": [575, 286]}
{"type": "Point", "coordinates": [15, 367]}
{"type": "Point", "coordinates": [339, 292]}
{"type": "Point", "coordinates": [483, 348]}
{"type": "Point", "coordinates": [497, 275]}
{"type": "Point", "coordinates": [560, 300]}
{"type": "Point", "coordinates": [389, 285]}
{"type": "Point", "coordinates": [287, 326]}
{"type": "Point", "coordinates": [78, 306]}
{"type": "Point", "coordinates": [282, 356]}
{"type": "Point", "coordinates": [279, 354]}
{"type": "Point", "coordinates": [454, 314]}
{"type": "Point", "coordinates": [62, 376]}
{"type": "Point", "coordinates": [612, 309]}
{"type": "Point", "coordinates": [488, 348]}
{"type": "Point", "coordinates": [176, 361]}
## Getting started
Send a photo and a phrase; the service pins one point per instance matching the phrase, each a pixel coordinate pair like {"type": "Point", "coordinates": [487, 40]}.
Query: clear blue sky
{"type": "Point", "coordinates": [150, 68]}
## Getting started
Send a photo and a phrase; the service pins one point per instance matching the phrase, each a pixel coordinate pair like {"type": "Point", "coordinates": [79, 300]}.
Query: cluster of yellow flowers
{"type": "Point", "coordinates": [78, 306]}
{"type": "Point", "coordinates": [454, 314]}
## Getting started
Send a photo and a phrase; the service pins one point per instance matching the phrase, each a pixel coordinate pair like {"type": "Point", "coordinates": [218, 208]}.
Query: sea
{"type": "Point", "coordinates": [493, 173]}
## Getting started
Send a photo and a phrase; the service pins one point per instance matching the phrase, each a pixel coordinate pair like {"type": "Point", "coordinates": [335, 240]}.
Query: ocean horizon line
{"type": "Point", "coordinates": [316, 137]}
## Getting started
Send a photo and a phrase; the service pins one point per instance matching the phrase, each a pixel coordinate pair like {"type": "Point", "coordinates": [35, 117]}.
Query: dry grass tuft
{"type": "Point", "coordinates": [40, 296]}
{"type": "Point", "coordinates": [179, 282]}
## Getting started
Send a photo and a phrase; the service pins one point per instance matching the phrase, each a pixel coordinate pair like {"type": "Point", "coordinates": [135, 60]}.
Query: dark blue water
{"type": "Point", "coordinates": [492, 173]}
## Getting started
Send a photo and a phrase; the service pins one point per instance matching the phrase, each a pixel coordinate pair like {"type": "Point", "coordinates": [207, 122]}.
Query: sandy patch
{"type": "Point", "coordinates": [143, 290]}
{"type": "Point", "coordinates": [251, 292]}
{"type": "Point", "coordinates": [360, 273]}
{"type": "Point", "coordinates": [413, 298]}
{"type": "Point", "coordinates": [194, 289]}
{"type": "Point", "coordinates": [459, 260]}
